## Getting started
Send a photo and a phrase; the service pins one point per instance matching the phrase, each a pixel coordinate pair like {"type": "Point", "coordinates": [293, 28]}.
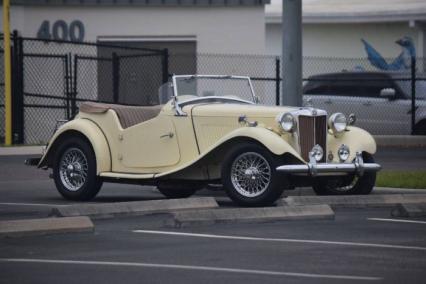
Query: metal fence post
{"type": "Point", "coordinates": [165, 65]}
{"type": "Point", "coordinates": [115, 77]}
{"type": "Point", "coordinates": [17, 90]}
{"type": "Point", "coordinates": [413, 94]}
{"type": "Point", "coordinates": [68, 86]}
{"type": "Point", "coordinates": [74, 93]}
{"type": "Point", "coordinates": [277, 81]}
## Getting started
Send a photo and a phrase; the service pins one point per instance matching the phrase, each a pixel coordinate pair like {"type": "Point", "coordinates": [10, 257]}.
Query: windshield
{"type": "Point", "coordinates": [406, 88]}
{"type": "Point", "coordinates": [214, 86]}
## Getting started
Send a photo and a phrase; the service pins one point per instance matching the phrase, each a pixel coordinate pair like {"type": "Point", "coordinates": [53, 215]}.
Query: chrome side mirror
{"type": "Point", "coordinates": [387, 93]}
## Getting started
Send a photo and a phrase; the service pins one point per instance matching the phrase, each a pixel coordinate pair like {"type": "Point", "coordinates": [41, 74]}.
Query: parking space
{"type": "Point", "coordinates": [358, 245]}
{"type": "Point", "coordinates": [140, 248]}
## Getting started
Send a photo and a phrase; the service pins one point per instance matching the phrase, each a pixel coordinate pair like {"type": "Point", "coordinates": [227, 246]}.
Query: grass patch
{"type": "Point", "coordinates": [401, 179]}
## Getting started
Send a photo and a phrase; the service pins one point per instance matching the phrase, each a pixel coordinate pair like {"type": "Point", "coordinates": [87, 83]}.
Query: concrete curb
{"type": "Point", "coordinates": [407, 141]}
{"type": "Point", "coordinates": [249, 215]}
{"type": "Point", "coordinates": [22, 150]}
{"type": "Point", "coordinates": [17, 228]}
{"type": "Point", "coordinates": [106, 210]}
{"type": "Point", "coordinates": [388, 190]}
{"type": "Point", "coordinates": [409, 210]}
{"type": "Point", "coordinates": [355, 201]}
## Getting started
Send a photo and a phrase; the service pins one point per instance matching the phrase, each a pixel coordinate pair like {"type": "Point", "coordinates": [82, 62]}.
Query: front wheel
{"type": "Point", "coordinates": [74, 170]}
{"type": "Point", "coordinates": [249, 176]}
{"type": "Point", "coordinates": [350, 185]}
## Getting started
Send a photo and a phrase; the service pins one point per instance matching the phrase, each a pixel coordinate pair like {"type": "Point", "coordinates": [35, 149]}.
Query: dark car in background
{"type": "Point", "coordinates": [381, 101]}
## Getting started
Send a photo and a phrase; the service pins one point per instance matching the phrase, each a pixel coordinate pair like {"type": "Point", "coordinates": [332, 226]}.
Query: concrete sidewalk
{"type": "Point", "coordinates": [21, 150]}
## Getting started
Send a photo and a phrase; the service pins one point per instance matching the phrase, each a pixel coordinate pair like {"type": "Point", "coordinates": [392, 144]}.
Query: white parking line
{"type": "Point", "coordinates": [396, 220]}
{"type": "Point", "coordinates": [32, 204]}
{"type": "Point", "coordinates": [192, 267]}
{"type": "Point", "coordinates": [279, 240]}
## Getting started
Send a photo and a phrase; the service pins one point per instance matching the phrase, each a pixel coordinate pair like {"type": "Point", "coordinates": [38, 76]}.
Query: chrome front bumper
{"type": "Point", "coordinates": [312, 168]}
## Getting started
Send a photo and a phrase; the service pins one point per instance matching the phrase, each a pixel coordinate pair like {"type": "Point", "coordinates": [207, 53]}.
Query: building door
{"type": "Point", "coordinates": [141, 74]}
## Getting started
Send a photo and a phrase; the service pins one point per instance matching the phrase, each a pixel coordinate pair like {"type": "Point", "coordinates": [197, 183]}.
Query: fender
{"type": "Point", "coordinates": [272, 141]}
{"type": "Point", "coordinates": [357, 139]}
{"type": "Point", "coordinates": [95, 136]}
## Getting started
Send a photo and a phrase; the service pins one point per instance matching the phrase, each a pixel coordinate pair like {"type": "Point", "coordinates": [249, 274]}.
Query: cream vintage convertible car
{"type": "Point", "coordinates": [210, 130]}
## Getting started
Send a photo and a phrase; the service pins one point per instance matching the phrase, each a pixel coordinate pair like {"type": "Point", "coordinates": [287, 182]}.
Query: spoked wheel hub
{"type": "Point", "coordinates": [73, 169]}
{"type": "Point", "coordinates": [250, 174]}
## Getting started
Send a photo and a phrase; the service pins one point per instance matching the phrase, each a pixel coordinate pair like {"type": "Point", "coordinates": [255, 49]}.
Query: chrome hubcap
{"type": "Point", "coordinates": [250, 174]}
{"type": "Point", "coordinates": [73, 169]}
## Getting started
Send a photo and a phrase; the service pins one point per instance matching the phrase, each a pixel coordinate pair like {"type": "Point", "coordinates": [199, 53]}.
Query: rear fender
{"type": "Point", "coordinates": [89, 130]}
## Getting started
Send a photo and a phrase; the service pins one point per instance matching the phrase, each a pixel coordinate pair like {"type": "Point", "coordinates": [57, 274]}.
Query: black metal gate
{"type": "Point", "coordinates": [46, 96]}
{"type": "Point", "coordinates": [52, 78]}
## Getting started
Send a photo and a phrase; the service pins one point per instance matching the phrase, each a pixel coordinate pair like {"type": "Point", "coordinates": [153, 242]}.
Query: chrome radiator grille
{"type": "Point", "coordinates": [312, 131]}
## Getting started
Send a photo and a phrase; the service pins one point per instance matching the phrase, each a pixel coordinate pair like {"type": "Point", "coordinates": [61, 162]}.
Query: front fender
{"type": "Point", "coordinates": [357, 139]}
{"type": "Point", "coordinates": [272, 141]}
{"type": "Point", "coordinates": [92, 132]}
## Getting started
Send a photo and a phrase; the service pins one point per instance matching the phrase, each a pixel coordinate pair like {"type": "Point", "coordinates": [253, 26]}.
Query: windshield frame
{"type": "Point", "coordinates": [179, 105]}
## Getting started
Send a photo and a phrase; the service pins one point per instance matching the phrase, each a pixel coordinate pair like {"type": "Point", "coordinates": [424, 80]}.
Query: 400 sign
{"type": "Point", "coordinates": [61, 30]}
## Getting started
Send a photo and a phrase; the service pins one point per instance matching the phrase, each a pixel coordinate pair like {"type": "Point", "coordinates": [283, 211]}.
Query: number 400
{"type": "Point", "coordinates": [61, 30]}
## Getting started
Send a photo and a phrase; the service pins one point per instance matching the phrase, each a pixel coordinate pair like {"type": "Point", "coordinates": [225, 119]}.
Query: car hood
{"type": "Point", "coordinates": [236, 110]}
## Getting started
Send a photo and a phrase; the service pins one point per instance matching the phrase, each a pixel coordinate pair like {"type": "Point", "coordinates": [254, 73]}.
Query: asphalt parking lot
{"type": "Point", "coordinates": [359, 245]}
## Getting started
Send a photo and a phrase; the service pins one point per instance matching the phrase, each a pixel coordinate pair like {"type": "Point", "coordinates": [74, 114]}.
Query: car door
{"type": "Point", "coordinates": [333, 93]}
{"type": "Point", "coordinates": [382, 115]}
{"type": "Point", "coordinates": [320, 91]}
{"type": "Point", "coordinates": [151, 144]}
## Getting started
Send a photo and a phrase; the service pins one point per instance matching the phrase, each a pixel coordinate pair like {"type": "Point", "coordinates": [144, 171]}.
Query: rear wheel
{"type": "Point", "coordinates": [249, 176]}
{"type": "Point", "coordinates": [350, 185]}
{"type": "Point", "coordinates": [74, 170]}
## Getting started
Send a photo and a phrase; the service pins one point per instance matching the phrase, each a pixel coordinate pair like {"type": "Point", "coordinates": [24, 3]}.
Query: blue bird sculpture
{"type": "Point", "coordinates": [402, 62]}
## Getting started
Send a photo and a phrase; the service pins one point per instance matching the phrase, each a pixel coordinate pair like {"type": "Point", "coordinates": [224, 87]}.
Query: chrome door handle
{"type": "Point", "coordinates": [170, 135]}
{"type": "Point", "coordinates": [328, 102]}
{"type": "Point", "coordinates": [367, 104]}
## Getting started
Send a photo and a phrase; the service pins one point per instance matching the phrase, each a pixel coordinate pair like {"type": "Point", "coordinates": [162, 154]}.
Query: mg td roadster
{"type": "Point", "coordinates": [210, 130]}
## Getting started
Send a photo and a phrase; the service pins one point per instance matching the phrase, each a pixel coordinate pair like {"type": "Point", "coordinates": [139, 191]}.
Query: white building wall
{"type": "Point", "coordinates": [217, 29]}
{"type": "Point", "coordinates": [343, 40]}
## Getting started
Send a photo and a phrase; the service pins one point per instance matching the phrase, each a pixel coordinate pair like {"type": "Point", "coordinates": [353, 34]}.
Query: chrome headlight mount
{"type": "Point", "coordinates": [287, 122]}
{"type": "Point", "coordinates": [337, 122]}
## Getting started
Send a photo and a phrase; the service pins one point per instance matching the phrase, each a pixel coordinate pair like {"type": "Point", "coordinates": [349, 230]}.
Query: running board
{"type": "Point", "coordinates": [126, 176]}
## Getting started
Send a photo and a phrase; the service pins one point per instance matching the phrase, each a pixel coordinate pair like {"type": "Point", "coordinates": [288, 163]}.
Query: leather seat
{"type": "Point", "coordinates": [128, 115]}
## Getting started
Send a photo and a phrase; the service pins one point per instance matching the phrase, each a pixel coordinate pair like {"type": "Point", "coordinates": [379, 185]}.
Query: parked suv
{"type": "Point", "coordinates": [381, 101]}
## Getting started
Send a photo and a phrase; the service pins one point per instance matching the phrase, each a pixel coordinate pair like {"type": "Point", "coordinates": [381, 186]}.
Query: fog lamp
{"type": "Point", "coordinates": [343, 152]}
{"type": "Point", "coordinates": [317, 153]}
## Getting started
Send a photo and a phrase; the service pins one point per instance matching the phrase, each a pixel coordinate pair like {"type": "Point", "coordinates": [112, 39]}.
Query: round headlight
{"type": "Point", "coordinates": [343, 152]}
{"type": "Point", "coordinates": [287, 122]}
{"type": "Point", "coordinates": [337, 122]}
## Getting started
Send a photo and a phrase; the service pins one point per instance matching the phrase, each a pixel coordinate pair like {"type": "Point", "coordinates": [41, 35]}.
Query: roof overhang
{"type": "Point", "coordinates": [147, 3]}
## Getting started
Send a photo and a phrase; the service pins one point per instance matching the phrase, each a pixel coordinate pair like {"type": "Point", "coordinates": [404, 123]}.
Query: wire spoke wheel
{"type": "Point", "coordinates": [73, 169]}
{"type": "Point", "coordinates": [250, 174]}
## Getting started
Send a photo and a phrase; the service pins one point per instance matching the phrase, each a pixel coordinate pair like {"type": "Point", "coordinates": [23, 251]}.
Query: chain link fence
{"type": "Point", "coordinates": [52, 78]}
{"type": "Point", "coordinates": [380, 99]}
{"type": "Point", "coordinates": [261, 68]}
